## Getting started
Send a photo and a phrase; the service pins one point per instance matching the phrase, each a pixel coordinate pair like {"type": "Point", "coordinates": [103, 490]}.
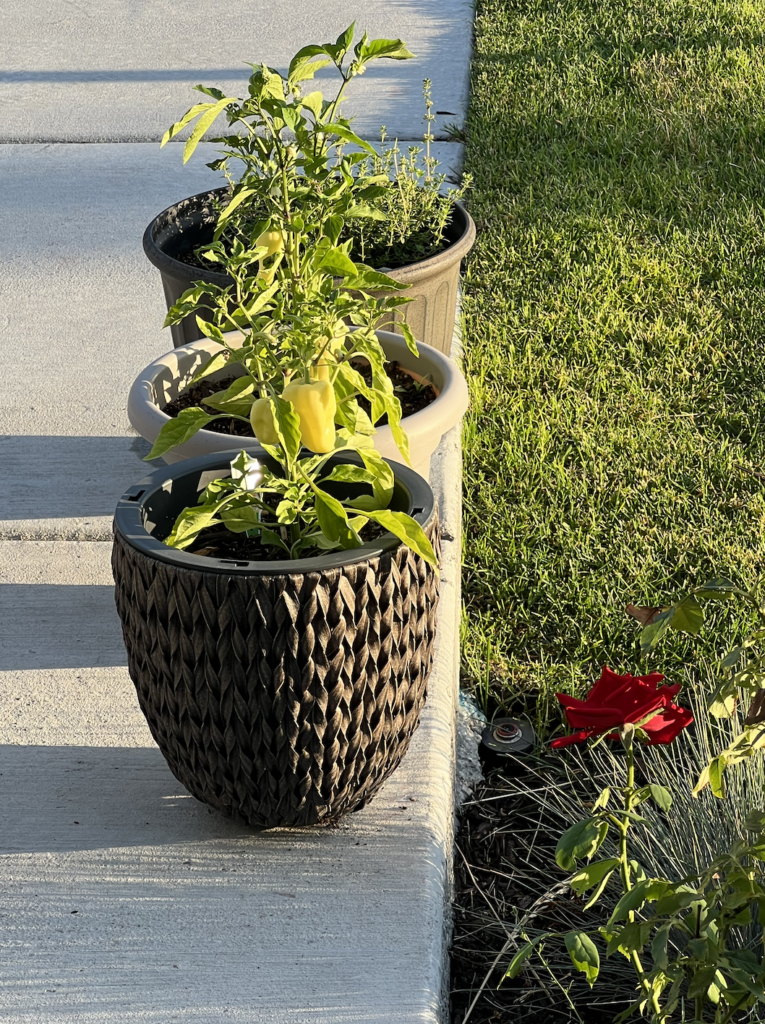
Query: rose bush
{"type": "Point", "coordinates": [691, 928]}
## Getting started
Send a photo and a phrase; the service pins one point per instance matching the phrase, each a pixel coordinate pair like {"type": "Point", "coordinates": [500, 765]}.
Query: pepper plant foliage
{"type": "Point", "coordinates": [297, 313]}
{"type": "Point", "coordinates": [284, 152]}
{"type": "Point", "coordinates": [392, 221]}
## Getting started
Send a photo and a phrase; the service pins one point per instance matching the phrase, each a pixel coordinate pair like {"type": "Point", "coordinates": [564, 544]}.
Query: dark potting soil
{"type": "Point", "coordinates": [218, 542]}
{"type": "Point", "coordinates": [419, 247]}
{"type": "Point", "coordinates": [413, 398]}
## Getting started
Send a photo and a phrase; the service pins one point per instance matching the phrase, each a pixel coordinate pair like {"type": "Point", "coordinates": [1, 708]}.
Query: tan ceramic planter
{"type": "Point", "coordinates": [433, 282]}
{"type": "Point", "coordinates": [161, 381]}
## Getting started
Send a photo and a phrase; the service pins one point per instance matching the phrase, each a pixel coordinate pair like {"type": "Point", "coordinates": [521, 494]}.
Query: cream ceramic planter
{"type": "Point", "coordinates": [161, 381]}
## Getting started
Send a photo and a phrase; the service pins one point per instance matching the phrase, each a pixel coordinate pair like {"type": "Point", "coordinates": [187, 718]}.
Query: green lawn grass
{"type": "Point", "coordinates": [614, 328]}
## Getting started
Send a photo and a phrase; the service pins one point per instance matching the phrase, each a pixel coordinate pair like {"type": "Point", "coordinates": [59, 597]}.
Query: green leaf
{"type": "Point", "coordinates": [351, 475]}
{"type": "Point", "coordinates": [521, 957]}
{"type": "Point", "coordinates": [333, 520]}
{"type": "Point", "coordinates": [716, 769]}
{"type": "Point", "coordinates": [261, 299]}
{"type": "Point", "coordinates": [723, 708]}
{"type": "Point", "coordinates": [314, 102]}
{"type": "Point", "coordinates": [179, 430]}
{"type": "Point", "coordinates": [347, 135]}
{"type": "Point", "coordinates": [344, 40]}
{"type": "Point", "coordinates": [189, 524]}
{"type": "Point", "coordinates": [400, 437]}
{"type": "Point", "coordinates": [367, 280]}
{"type": "Point", "coordinates": [661, 796]}
{"type": "Point", "coordinates": [597, 891]}
{"type": "Point", "coordinates": [210, 330]}
{"type": "Point", "coordinates": [407, 530]}
{"type": "Point", "coordinates": [651, 635]}
{"type": "Point", "coordinates": [305, 64]}
{"type": "Point", "coordinates": [241, 519]}
{"type": "Point", "coordinates": [659, 948]}
{"type": "Point", "coordinates": [717, 590]}
{"type": "Point", "coordinates": [700, 981]}
{"type": "Point", "coordinates": [338, 264]}
{"type": "Point", "coordinates": [188, 117]}
{"type": "Point", "coordinates": [216, 362]}
{"type": "Point", "coordinates": [649, 889]}
{"type": "Point", "coordinates": [743, 979]}
{"type": "Point", "coordinates": [204, 122]}
{"type": "Point", "coordinates": [360, 211]}
{"type": "Point", "coordinates": [631, 938]}
{"type": "Point", "coordinates": [580, 842]}
{"type": "Point", "coordinates": [334, 225]}
{"type": "Point", "coordinates": [383, 478]}
{"type": "Point", "coordinates": [235, 397]}
{"type": "Point", "coordinates": [393, 49]}
{"type": "Point", "coordinates": [676, 898]}
{"type": "Point", "coordinates": [287, 427]}
{"type": "Point", "coordinates": [688, 616]}
{"type": "Point", "coordinates": [584, 954]}
{"type": "Point", "coordinates": [592, 874]}
{"type": "Point", "coordinates": [733, 657]}
{"type": "Point", "coordinates": [701, 783]}
{"type": "Point", "coordinates": [237, 201]}
{"type": "Point", "coordinates": [603, 797]}
{"type": "Point", "coordinates": [409, 338]}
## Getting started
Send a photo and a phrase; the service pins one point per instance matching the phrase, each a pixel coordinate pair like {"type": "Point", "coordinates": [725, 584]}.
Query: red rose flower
{"type": "Point", "coordinates": [615, 701]}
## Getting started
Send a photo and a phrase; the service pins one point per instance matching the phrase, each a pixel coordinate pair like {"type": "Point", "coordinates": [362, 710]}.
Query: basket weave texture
{"type": "Point", "coordinates": [280, 700]}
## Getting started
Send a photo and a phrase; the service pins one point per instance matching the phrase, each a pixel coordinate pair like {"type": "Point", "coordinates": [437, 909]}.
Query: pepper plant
{"type": "Point", "coordinates": [289, 338]}
{"type": "Point", "coordinates": [295, 289]}
{"type": "Point", "coordinates": [291, 509]}
{"type": "Point", "coordinates": [689, 928]}
{"type": "Point", "coordinates": [286, 138]}
{"type": "Point", "coordinates": [293, 332]}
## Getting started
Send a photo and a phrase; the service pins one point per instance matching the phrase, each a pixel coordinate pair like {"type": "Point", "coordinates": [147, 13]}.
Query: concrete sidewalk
{"type": "Point", "coordinates": [123, 899]}
{"type": "Point", "coordinates": [126, 900]}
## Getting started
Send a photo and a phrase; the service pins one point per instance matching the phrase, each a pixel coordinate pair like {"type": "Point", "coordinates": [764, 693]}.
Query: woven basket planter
{"type": "Point", "coordinates": [280, 693]}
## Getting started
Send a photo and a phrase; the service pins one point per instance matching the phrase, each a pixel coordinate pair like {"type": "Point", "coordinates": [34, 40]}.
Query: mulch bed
{"type": "Point", "coordinates": [506, 876]}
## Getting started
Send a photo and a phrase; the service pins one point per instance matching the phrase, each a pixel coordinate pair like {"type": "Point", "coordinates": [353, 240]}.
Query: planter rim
{"type": "Point", "coordinates": [128, 521]}
{"type": "Point", "coordinates": [409, 273]}
{"type": "Point", "coordinates": [148, 418]}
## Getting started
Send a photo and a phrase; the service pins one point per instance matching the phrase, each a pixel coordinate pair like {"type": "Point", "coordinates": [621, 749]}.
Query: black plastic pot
{"type": "Point", "coordinates": [433, 283]}
{"type": "Point", "coordinates": [283, 692]}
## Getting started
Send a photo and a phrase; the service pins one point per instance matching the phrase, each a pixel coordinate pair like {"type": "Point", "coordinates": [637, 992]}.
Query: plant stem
{"type": "Point", "coordinates": [624, 869]}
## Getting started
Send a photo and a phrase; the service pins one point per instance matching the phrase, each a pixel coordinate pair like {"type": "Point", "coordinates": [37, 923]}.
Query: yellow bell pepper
{"type": "Point", "coordinates": [262, 421]}
{"type": "Point", "coordinates": [274, 243]}
{"type": "Point", "coordinates": [272, 240]}
{"type": "Point", "coordinates": [316, 407]}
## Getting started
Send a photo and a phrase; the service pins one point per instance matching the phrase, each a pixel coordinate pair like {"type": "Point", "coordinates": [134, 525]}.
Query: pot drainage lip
{"type": "Point", "coordinates": [133, 526]}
